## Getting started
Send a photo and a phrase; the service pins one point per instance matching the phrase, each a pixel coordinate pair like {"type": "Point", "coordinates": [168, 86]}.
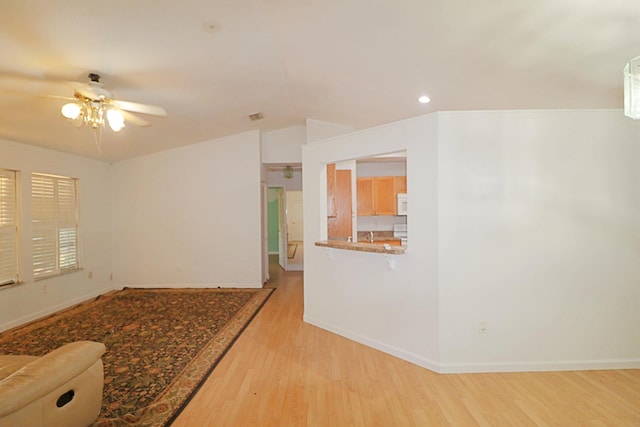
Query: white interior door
{"type": "Point", "coordinates": [265, 232]}
{"type": "Point", "coordinates": [294, 216]}
{"type": "Point", "coordinates": [282, 229]}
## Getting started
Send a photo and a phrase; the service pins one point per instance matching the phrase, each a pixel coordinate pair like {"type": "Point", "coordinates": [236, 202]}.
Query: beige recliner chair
{"type": "Point", "coordinates": [63, 388]}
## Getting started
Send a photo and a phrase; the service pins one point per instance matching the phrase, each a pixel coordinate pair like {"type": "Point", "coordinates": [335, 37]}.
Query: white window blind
{"type": "Point", "coordinates": [55, 224]}
{"type": "Point", "coordinates": [8, 228]}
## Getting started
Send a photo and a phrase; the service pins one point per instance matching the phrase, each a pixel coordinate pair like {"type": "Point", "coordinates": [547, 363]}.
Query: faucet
{"type": "Point", "coordinates": [371, 236]}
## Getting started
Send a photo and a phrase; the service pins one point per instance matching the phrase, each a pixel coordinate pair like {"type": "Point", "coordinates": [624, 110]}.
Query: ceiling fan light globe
{"type": "Point", "coordinates": [115, 120]}
{"type": "Point", "coordinates": [116, 128]}
{"type": "Point", "coordinates": [70, 110]}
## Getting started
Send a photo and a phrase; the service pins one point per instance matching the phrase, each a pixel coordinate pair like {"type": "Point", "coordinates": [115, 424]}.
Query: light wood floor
{"type": "Point", "coordinates": [282, 372]}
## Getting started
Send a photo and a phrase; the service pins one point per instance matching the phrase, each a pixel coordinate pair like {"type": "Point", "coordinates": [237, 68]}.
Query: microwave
{"type": "Point", "coordinates": [401, 208]}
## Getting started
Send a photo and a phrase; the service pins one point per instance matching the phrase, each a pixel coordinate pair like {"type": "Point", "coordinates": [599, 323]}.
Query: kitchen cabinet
{"type": "Point", "coordinates": [364, 189]}
{"type": "Point", "coordinates": [378, 195]}
{"type": "Point", "coordinates": [384, 196]}
{"type": "Point", "coordinates": [339, 225]}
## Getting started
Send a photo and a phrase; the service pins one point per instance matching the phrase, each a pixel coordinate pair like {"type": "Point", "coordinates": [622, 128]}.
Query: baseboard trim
{"type": "Point", "coordinates": [469, 368]}
{"type": "Point", "coordinates": [393, 351]}
{"type": "Point", "coordinates": [535, 366]}
{"type": "Point", "coordinates": [51, 310]}
{"type": "Point", "coordinates": [192, 285]}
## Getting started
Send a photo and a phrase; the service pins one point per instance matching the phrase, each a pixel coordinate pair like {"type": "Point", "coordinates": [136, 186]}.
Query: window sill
{"type": "Point", "coordinates": [52, 275]}
{"type": "Point", "coordinates": [10, 285]}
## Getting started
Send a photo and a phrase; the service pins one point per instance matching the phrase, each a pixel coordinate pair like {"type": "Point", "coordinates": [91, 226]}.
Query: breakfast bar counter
{"type": "Point", "coordinates": [362, 247]}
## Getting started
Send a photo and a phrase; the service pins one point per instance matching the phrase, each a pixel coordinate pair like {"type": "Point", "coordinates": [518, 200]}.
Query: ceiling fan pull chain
{"type": "Point", "coordinates": [98, 138]}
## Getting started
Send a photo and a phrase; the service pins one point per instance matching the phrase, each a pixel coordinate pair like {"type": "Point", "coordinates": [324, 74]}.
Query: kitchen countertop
{"type": "Point", "coordinates": [362, 247]}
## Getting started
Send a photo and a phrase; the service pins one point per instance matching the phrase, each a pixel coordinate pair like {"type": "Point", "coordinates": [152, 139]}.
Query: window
{"type": "Point", "coordinates": [8, 228]}
{"type": "Point", "coordinates": [55, 224]}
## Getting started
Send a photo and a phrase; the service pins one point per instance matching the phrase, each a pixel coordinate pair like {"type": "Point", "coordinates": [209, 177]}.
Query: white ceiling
{"type": "Point", "coordinates": [356, 62]}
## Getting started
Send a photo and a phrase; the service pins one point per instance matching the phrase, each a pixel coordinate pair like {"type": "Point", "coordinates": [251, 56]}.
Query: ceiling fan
{"type": "Point", "coordinates": [94, 106]}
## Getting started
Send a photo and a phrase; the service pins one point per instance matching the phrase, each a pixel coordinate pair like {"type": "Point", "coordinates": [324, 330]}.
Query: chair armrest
{"type": "Point", "coordinates": [46, 373]}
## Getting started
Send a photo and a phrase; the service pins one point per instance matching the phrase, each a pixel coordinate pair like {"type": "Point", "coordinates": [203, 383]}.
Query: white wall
{"type": "Point", "coordinates": [388, 168]}
{"type": "Point", "coordinates": [32, 300]}
{"type": "Point", "coordinates": [190, 216]}
{"type": "Point", "coordinates": [526, 221]}
{"type": "Point", "coordinates": [539, 237]}
{"type": "Point", "coordinates": [284, 145]}
{"type": "Point", "coordinates": [356, 294]}
{"type": "Point", "coordinates": [318, 130]}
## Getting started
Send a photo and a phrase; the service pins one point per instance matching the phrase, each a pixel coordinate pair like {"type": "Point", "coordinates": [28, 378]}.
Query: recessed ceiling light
{"type": "Point", "coordinates": [424, 99]}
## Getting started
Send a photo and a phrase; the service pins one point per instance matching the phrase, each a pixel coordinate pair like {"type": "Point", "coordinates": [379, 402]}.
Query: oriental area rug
{"type": "Point", "coordinates": [162, 344]}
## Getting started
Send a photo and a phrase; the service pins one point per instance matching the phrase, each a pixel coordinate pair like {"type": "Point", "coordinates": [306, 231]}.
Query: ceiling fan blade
{"type": "Point", "coordinates": [29, 85]}
{"type": "Point", "coordinates": [134, 119]}
{"type": "Point", "coordinates": [152, 110]}
{"type": "Point", "coordinates": [66, 98]}
{"type": "Point", "coordinates": [91, 91]}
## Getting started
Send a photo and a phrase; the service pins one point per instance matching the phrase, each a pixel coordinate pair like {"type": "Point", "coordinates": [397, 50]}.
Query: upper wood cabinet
{"type": "Point", "coordinates": [364, 189]}
{"type": "Point", "coordinates": [378, 195]}
{"type": "Point", "coordinates": [384, 196]}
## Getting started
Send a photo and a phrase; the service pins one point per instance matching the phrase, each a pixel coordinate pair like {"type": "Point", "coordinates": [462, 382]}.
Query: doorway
{"type": "Point", "coordinates": [295, 230]}
{"type": "Point", "coordinates": [285, 227]}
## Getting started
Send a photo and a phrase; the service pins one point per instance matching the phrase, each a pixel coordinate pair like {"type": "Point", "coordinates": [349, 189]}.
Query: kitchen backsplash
{"type": "Point", "coordinates": [379, 223]}
{"type": "Point", "coordinates": [364, 235]}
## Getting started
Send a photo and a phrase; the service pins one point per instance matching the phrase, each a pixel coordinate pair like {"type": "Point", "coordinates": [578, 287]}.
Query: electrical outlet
{"type": "Point", "coordinates": [91, 275]}
{"type": "Point", "coordinates": [482, 327]}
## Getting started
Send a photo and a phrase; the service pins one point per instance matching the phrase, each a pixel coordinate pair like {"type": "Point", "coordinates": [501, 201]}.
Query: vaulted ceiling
{"type": "Point", "coordinates": [361, 63]}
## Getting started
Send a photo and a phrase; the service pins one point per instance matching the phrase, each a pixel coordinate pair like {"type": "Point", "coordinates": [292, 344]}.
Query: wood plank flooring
{"type": "Point", "coordinates": [282, 372]}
